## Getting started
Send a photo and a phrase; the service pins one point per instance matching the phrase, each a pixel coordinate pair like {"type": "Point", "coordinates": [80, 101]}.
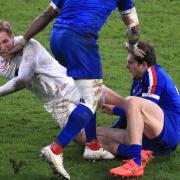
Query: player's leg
{"type": "Point", "coordinates": [77, 120]}
{"type": "Point", "coordinates": [143, 116]}
{"type": "Point", "coordinates": [109, 138]}
{"type": "Point", "coordinates": [113, 140]}
{"type": "Point", "coordinates": [90, 91]}
{"type": "Point", "coordinates": [117, 135]}
{"type": "Point", "coordinates": [72, 117]}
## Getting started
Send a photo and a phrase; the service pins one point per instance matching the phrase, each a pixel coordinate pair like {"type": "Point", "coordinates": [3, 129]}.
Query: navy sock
{"type": "Point", "coordinates": [121, 122]}
{"type": "Point", "coordinates": [78, 119]}
{"type": "Point", "coordinates": [122, 150]}
{"type": "Point", "coordinates": [90, 129]}
{"type": "Point", "coordinates": [135, 153]}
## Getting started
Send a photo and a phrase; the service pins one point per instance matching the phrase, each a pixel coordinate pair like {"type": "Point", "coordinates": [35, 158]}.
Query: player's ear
{"type": "Point", "coordinates": [145, 65]}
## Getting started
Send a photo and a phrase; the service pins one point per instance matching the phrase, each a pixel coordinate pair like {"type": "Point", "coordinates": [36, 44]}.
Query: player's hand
{"type": "Point", "coordinates": [134, 49]}
{"type": "Point", "coordinates": [107, 108]}
{"type": "Point", "coordinates": [8, 56]}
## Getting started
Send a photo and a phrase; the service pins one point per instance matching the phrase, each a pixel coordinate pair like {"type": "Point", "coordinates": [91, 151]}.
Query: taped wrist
{"type": "Point", "coordinates": [130, 19]}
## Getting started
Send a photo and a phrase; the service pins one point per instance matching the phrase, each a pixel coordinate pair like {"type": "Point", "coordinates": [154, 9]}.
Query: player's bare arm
{"type": "Point", "coordinates": [40, 23]}
{"type": "Point", "coordinates": [131, 21]}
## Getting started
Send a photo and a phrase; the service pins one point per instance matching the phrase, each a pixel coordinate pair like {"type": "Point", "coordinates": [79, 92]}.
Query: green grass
{"type": "Point", "coordinates": [25, 127]}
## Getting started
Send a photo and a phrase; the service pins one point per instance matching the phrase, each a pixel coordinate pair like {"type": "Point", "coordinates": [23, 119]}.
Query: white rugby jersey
{"type": "Point", "coordinates": [36, 70]}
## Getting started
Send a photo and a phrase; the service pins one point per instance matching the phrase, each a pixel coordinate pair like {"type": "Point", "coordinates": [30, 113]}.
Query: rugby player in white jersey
{"type": "Point", "coordinates": [36, 70]}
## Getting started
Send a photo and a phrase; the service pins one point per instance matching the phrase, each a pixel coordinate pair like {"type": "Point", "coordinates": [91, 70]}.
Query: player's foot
{"type": "Point", "coordinates": [146, 157]}
{"type": "Point", "coordinates": [91, 153]}
{"type": "Point", "coordinates": [128, 169]}
{"type": "Point", "coordinates": [56, 160]}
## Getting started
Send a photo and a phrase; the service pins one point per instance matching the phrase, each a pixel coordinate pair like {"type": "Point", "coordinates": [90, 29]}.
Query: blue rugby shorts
{"type": "Point", "coordinates": [169, 138]}
{"type": "Point", "coordinates": [79, 53]}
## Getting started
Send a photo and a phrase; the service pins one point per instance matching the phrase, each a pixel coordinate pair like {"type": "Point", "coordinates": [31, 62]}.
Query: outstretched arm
{"type": "Point", "coordinates": [12, 86]}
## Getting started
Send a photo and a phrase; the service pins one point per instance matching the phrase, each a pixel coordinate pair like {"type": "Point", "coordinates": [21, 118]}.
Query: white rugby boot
{"type": "Point", "coordinates": [56, 160]}
{"type": "Point", "coordinates": [96, 153]}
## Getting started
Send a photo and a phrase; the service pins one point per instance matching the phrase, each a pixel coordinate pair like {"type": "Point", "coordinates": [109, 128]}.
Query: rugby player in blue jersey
{"type": "Point", "coordinates": [74, 44]}
{"type": "Point", "coordinates": [149, 117]}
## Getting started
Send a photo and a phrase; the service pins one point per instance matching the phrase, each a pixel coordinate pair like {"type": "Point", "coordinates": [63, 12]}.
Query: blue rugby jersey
{"type": "Point", "coordinates": [87, 16]}
{"type": "Point", "coordinates": [157, 86]}
{"type": "Point", "coordinates": [136, 88]}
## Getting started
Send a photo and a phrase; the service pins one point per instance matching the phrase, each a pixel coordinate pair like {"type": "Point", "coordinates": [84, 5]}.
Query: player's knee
{"type": "Point", "coordinates": [83, 114]}
{"type": "Point", "coordinates": [131, 102]}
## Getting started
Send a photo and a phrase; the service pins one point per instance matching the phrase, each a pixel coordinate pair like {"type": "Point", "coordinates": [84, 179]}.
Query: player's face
{"type": "Point", "coordinates": [136, 70]}
{"type": "Point", "coordinates": [6, 42]}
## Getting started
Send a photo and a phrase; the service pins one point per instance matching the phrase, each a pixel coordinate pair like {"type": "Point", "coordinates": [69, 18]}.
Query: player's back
{"type": "Point", "coordinates": [87, 16]}
{"type": "Point", "coordinates": [170, 98]}
{"type": "Point", "coordinates": [161, 88]}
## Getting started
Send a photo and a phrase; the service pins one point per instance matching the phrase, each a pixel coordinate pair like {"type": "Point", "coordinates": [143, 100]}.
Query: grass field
{"type": "Point", "coordinates": [25, 127]}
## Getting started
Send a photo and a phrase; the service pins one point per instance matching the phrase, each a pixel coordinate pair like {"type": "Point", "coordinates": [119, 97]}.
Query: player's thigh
{"type": "Point", "coordinates": [152, 115]}
{"type": "Point", "coordinates": [62, 107]}
{"type": "Point", "coordinates": [90, 90]}
{"type": "Point", "coordinates": [169, 138]}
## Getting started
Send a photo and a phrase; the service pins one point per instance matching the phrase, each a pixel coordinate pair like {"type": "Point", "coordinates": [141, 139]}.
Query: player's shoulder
{"type": "Point", "coordinates": [154, 71]}
{"type": "Point", "coordinates": [157, 75]}
{"type": "Point", "coordinates": [161, 72]}
{"type": "Point", "coordinates": [34, 45]}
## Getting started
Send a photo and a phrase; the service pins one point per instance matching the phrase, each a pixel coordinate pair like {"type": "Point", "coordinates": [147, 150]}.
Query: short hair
{"type": "Point", "coordinates": [150, 54]}
{"type": "Point", "coordinates": [5, 27]}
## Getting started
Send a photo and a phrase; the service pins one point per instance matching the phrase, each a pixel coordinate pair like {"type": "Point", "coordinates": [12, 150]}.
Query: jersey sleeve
{"type": "Point", "coordinates": [151, 87]}
{"type": "Point", "coordinates": [57, 4]}
{"type": "Point", "coordinates": [125, 5]}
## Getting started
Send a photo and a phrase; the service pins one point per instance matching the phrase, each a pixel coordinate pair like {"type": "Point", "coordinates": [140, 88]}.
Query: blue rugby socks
{"type": "Point", "coordinates": [122, 150]}
{"type": "Point", "coordinates": [90, 129]}
{"type": "Point", "coordinates": [78, 119]}
{"type": "Point", "coordinates": [135, 153]}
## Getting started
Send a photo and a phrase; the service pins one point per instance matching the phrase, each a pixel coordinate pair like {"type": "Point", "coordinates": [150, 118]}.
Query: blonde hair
{"type": "Point", "coordinates": [5, 27]}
